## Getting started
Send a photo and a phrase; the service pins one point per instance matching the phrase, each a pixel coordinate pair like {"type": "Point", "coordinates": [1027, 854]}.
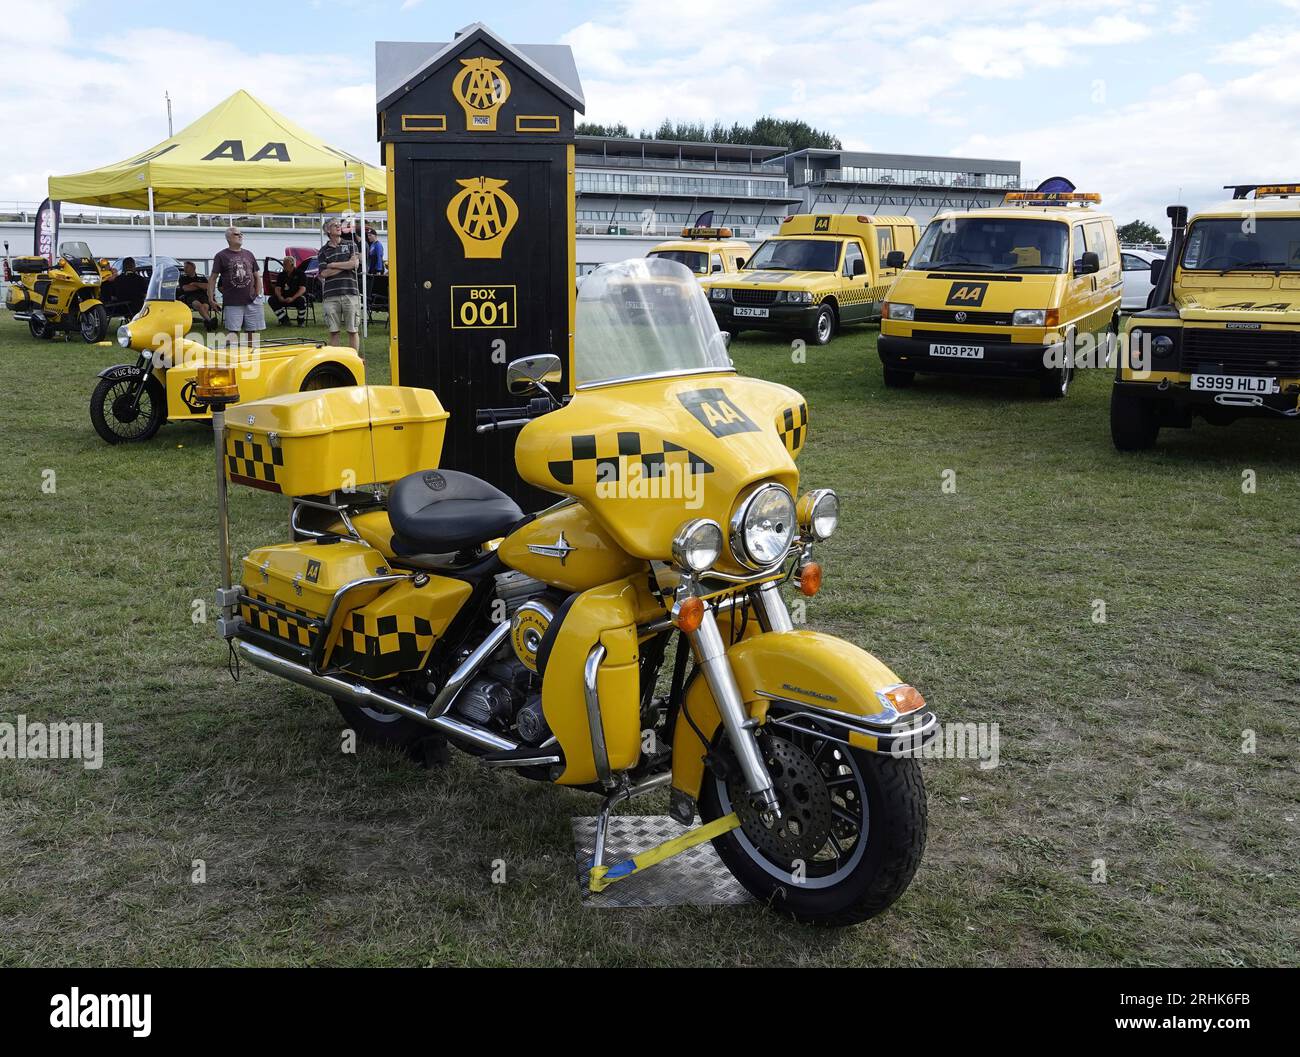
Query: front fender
{"type": "Point", "coordinates": [804, 671]}
{"type": "Point", "coordinates": [288, 376]}
{"type": "Point", "coordinates": [121, 371]}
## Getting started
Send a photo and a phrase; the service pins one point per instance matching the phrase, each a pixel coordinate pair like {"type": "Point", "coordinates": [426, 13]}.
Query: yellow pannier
{"type": "Point", "coordinates": [317, 442]}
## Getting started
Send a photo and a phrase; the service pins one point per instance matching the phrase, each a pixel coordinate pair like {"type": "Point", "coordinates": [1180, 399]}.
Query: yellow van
{"type": "Point", "coordinates": [1221, 338]}
{"type": "Point", "coordinates": [822, 272]}
{"type": "Point", "coordinates": [1029, 289]}
{"type": "Point", "coordinates": [705, 251]}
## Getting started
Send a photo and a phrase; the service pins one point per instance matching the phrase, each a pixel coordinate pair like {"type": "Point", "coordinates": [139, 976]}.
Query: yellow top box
{"type": "Point", "coordinates": [318, 442]}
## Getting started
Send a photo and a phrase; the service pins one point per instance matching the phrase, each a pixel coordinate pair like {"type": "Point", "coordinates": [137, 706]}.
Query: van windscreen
{"type": "Point", "coordinates": [796, 255]}
{"type": "Point", "coordinates": [991, 244]}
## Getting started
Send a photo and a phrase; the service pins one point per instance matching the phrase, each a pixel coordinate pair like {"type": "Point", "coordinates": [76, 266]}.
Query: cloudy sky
{"type": "Point", "coordinates": [1148, 103]}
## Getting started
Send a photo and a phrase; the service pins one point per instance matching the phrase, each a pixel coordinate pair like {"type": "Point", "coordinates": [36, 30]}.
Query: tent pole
{"type": "Point", "coordinates": [153, 237]}
{"type": "Point", "coordinates": [365, 262]}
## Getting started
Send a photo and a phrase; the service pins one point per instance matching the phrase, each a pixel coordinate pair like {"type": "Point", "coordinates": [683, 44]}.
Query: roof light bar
{"type": "Point", "coordinates": [706, 233]}
{"type": "Point", "coordinates": [1051, 197]}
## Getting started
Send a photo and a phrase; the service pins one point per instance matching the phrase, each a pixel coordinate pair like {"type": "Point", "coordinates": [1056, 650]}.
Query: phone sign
{"type": "Point", "coordinates": [483, 308]}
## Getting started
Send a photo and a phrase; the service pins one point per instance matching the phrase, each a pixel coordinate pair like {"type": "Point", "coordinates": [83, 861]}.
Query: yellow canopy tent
{"type": "Point", "coordinates": [240, 157]}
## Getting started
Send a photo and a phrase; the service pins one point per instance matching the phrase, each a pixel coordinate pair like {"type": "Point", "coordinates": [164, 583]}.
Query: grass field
{"type": "Point", "coordinates": [1121, 742]}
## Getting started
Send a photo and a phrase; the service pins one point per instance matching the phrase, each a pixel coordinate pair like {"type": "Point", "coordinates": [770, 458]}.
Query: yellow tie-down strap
{"type": "Point", "coordinates": [604, 876]}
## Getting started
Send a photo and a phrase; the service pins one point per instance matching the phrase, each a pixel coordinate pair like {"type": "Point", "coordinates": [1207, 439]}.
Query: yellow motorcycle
{"type": "Point", "coordinates": [61, 298]}
{"type": "Point", "coordinates": [132, 400]}
{"type": "Point", "coordinates": [630, 637]}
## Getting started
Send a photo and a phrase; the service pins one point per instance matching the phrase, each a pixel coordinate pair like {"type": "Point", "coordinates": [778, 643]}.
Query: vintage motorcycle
{"type": "Point", "coordinates": [131, 401]}
{"type": "Point", "coordinates": [629, 637]}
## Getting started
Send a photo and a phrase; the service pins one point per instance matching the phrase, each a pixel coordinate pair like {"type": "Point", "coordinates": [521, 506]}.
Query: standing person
{"type": "Point", "coordinates": [236, 275]}
{"type": "Point", "coordinates": [289, 290]}
{"type": "Point", "coordinates": [374, 253]}
{"type": "Point", "coordinates": [341, 296]}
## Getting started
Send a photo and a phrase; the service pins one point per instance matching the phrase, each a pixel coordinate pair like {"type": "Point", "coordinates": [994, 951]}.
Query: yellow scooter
{"type": "Point", "coordinates": [632, 636]}
{"type": "Point", "coordinates": [132, 400]}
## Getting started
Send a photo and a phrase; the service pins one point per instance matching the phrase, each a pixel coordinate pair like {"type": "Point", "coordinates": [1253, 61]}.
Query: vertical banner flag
{"type": "Point", "coordinates": [47, 231]}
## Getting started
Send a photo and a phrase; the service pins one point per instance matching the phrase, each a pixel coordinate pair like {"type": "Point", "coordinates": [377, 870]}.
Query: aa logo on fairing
{"type": "Point", "coordinates": [714, 409]}
{"type": "Point", "coordinates": [967, 294]}
{"type": "Point", "coordinates": [480, 88]}
{"type": "Point", "coordinates": [482, 215]}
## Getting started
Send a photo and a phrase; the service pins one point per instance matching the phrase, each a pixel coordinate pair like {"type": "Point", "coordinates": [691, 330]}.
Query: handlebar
{"type": "Point", "coordinates": [490, 418]}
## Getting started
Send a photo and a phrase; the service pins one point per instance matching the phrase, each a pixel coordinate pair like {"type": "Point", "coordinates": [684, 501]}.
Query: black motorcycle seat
{"type": "Point", "coordinates": [438, 511]}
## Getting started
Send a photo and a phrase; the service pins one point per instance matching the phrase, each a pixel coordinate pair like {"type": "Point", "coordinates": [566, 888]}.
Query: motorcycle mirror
{"type": "Point", "coordinates": [533, 372]}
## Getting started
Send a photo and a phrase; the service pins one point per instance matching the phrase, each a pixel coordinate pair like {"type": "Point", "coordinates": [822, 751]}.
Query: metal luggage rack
{"type": "Point", "coordinates": [338, 502]}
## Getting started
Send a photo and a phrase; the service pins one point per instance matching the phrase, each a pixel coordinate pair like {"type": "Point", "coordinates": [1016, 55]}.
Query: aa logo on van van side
{"type": "Point", "coordinates": [480, 88]}
{"type": "Point", "coordinates": [716, 411]}
{"type": "Point", "coordinates": [482, 215]}
{"type": "Point", "coordinates": [968, 295]}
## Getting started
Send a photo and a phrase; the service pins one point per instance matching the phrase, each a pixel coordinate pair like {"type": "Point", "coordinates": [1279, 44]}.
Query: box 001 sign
{"type": "Point", "coordinates": [483, 306]}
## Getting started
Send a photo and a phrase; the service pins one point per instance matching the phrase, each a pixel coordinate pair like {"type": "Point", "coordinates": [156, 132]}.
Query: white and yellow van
{"type": "Point", "coordinates": [822, 272]}
{"type": "Point", "coordinates": [1011, 291]}
{"type": "Point", "coordinates": [705, 251]}
{"type": "Point", "coordinates": [1221, 338]}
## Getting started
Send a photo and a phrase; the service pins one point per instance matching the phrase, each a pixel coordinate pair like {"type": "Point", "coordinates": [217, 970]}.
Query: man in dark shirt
{"type": "Point", "coordinates": [236, 275]}
{"type": "Point", "coordinates": [126, 292]}
{"type": "Point", "coordinates": [339, 261]}
{"type": "Point", "coordinates": [193, 291]}
{"type": "Point", "coordinates": [289, 290]}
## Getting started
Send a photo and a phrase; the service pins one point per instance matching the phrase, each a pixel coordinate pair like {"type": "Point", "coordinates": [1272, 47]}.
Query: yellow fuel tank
{"type": "Point", "coordinates": [565, 547]}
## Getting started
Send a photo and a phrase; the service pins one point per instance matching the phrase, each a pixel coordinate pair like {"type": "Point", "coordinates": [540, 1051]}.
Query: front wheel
{"type": "Point", "coordinates": [850, 837]}
{"type": "Point", "coordinates": [1133, 422]}
{"type": "Point", "coordinates": [896, 378]}
{"type": "Point", "coordinates": [824, 326]}
{"type": "Point", "coordinates": [118, 417]}
{"type": "Point", "coordinates": [94, 324]}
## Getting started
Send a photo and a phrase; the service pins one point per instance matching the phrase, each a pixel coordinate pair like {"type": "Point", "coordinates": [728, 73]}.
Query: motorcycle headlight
{"type": "Point", "coordinates": [124, 336]}
{"type": "Point", "coordinates": [762, 528]}
{"type": "Point", "coordinates": [904, 313]}
{"type": "Point", "coordinates": [697, 544]}
{"type": "Point", "coordinates": [1029, 317]}
{"type": "Point", "coordinates": [819, 514]}
{"type": "Point", "coordinates": [718, 293]}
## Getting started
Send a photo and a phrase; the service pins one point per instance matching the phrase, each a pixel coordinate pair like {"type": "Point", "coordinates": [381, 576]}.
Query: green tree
{"type": "Point", "coordinates": [588, 128]}
{"type": "Point", "coordinates": [765, 132]}
{"type": "Point", "coordinates": [1140, 231]}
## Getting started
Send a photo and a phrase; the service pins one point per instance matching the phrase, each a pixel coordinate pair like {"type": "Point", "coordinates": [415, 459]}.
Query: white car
{"type": "Point", "coordinates": [1136, 268]}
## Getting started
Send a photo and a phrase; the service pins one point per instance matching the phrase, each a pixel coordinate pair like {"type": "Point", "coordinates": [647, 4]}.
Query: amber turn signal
{"type": "Point", "coordinates": [810, 578]}
{"type": "Point", "coordinates": [690, 614]}
{"type": "Point", "coordinates": [904, 698]}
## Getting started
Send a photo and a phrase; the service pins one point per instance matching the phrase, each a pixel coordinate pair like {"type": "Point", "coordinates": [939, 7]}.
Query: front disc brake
{"type": "Point", "coordinates": [805, 823]}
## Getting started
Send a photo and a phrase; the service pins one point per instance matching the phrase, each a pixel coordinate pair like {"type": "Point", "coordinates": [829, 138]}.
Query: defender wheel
{"type": "Point", "coordinates": [116, 420]}
{"type": "Point", "coordinates": [1133, 422]}
{"type": "Point", "coordinates": [42, 329]}
{"type": "Point", "coordinates": [390, 730]}
{"type": "Point", "coordinates": [824, 328]}
{"type": "Point", "coordinates": [94, 324]}
{"type": "Point", "coordinates": [896, 378]}
{"type": "Point", "coordinates": [850, 837]}
{"type": "Point", "coordinates": [327, 376]}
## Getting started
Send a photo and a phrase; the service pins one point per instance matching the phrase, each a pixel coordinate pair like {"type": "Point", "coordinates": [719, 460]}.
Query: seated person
{"type": "Point", "coordinates": [193, 291]}
{"type": "Point", "coordinates": [289, 290]}
{"type": "Point", "coordinates": [124, 294]}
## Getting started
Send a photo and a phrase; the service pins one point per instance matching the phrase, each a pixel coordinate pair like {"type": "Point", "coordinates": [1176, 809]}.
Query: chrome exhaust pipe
{"type": "Point", "coordinates": [364, 696]}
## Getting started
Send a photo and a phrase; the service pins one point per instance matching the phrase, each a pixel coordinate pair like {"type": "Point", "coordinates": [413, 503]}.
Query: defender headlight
{"type": "Point", "coordinates": [718, 293]}
{"type": "Point", "coordinates": [819, 514]}
{"type": "Point", "coordinates": [796, 297]}
{"type": "Point", "coordinates": [1029, 317]}
{"type": "Point", "coordinates": [894, 310]}
{"type": "Point", "coordinates": [762, 528]}
{"type": "Point", "coordinates": [1162, 345]}
{"type": "Point", "coordinates": [697, 544]}
{"type": "Point", "coordinates": [124, 336]}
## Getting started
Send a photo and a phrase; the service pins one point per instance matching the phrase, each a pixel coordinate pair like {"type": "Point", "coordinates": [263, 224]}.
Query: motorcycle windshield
{"type": "Point", "coordinates": [644, 318]}
{"type": "Point", "coordinates": [163, 283]}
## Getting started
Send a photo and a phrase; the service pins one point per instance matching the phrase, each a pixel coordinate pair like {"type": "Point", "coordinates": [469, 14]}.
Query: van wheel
{"type": "Point", "coordinates": [1133, 422]}
{"type": "Point", "coordinates": [824, 328]}
{"type": "Point", "coordinates": [393, 731]}
{"type": "Point", "coordinates": [896, 378]}
{"type": "Point", "coordinates": [327, 376]}
{"type": "Point", "coordinates": [1054, 382]}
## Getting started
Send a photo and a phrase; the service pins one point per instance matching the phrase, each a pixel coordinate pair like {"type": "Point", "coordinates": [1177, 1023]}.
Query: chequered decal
{"type": "Point", "coordinates": [792, 424]}
{"type": "Point", "coordinates": [856, 295]}
{"type": "Point", "coordinates": [589, 464]}
{"type": "Point", "coordinates": [282, 627]}
{"type": "Point", "coordinates": [384, 645]}
{"type": "Point", "coordinates": [253, 463]}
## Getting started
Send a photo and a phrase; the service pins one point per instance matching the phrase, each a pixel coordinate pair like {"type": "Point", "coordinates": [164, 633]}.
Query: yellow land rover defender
{"type": "Point", "coordinates": [1220, 337]}
{"type": "Point", "coordinates": [819, 274]}
{"type": "Point", "coordinates": [705, 251]}
{"type": "Point", "coordinates": [1026, 289]}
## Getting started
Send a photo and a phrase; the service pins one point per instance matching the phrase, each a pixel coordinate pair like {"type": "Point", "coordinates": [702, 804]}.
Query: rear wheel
{"type": "Point", "coordinates": [327, 376]}
{"type": "Point", "coordinates": [895, 378]}
{"type": "Point", "coordinates": [850, 837]}
{"type": "Point", "coordinates": [40, 327]}
{"type": "Point", "coordinates": [94, 324]}
{"type": "Point", "coordinates": [1134, 425]}
{"type": "Point", "coordinates": [118, 418]}
{"type": "Point", "coordinates": [824, 326]}
{"type": "Point", "coordinates": [391, 730]}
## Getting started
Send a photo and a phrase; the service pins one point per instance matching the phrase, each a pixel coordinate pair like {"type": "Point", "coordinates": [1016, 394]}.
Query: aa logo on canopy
{"type": "Point", "coordinates": [480, 88]}
{"type": "Point", "coordinates": [482, 215]}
